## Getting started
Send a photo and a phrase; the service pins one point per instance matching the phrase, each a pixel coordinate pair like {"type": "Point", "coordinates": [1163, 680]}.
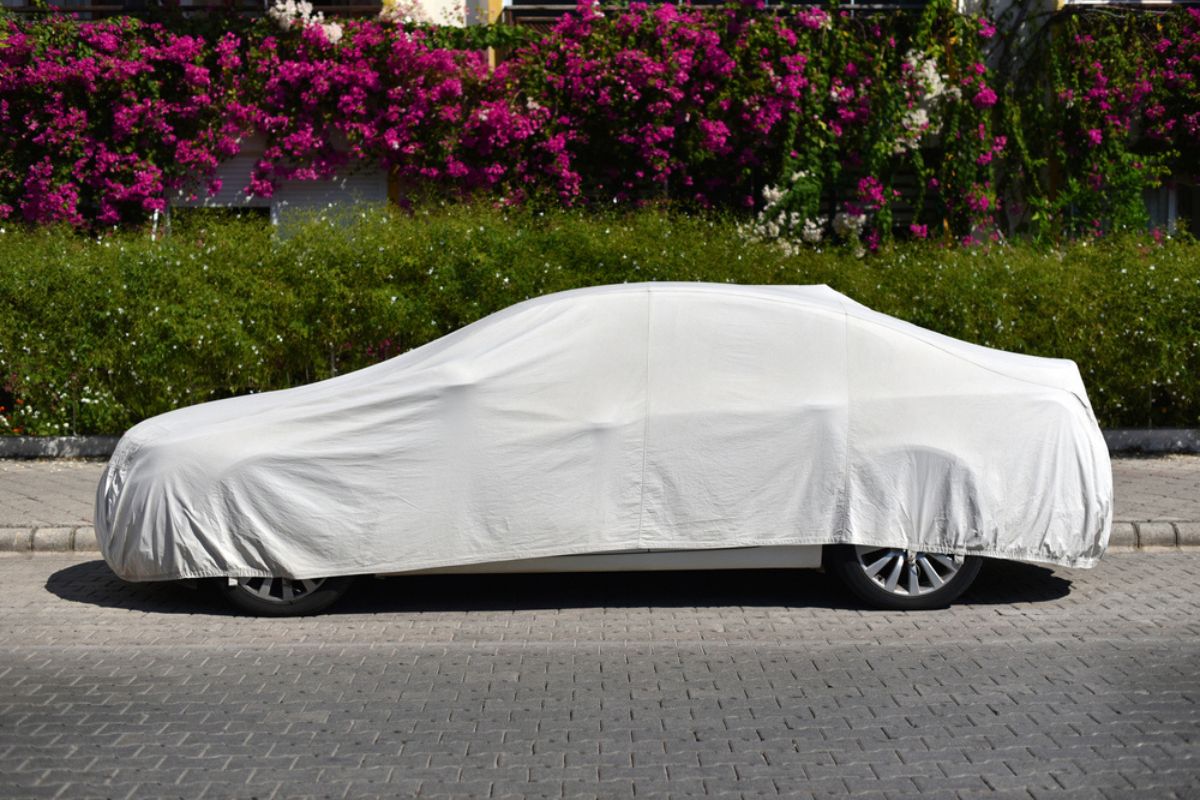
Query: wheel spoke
{"type": "Point", "coordinates": [894, 577]}
{"type": "Point", "coordinates": [930, 572]}
{"type": "Point", "coordinates": [914, 580]}
{"type": "Point", "coordinates": [948, 562]}
{"type": "Point", "coordinates": [873, 569]}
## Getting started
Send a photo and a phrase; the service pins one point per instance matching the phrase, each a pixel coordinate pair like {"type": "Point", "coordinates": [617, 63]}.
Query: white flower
{"type": "Point", "coordinates": [403, 11]}
{"type": "Point", "coordinates": [916, 120]}
{"type": "Point", "coordinates": [925, 92]}
{"type": "Point", "coordinates": [848, 225]}
{"type": "Point", "coordinates": [333, 32]}
{"type": "Point", "coordinates": [288, 13]}
{"type": "Point", "coordinates": [813, 230]}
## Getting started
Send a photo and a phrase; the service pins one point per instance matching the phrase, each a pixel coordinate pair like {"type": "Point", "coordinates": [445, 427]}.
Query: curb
{"type": "Point", "coordinates": [1153, 440]}
{"type": "Point", "coordinates": [81, 539]}
{"type": "Point", "coordinates": [1127, 537]}
{"type": "Point", "coordinates": [57, 446]}
{"type": "Point", "coordinates": [1154, 536]}
{"type": "Point", "coordinates": [1157, 441]}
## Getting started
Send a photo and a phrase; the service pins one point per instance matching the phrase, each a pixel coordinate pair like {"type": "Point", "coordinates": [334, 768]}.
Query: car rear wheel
{"type": "Point", "coordinates": [903, 580]}
{"type": "Point", "coordinates": [283, 597]}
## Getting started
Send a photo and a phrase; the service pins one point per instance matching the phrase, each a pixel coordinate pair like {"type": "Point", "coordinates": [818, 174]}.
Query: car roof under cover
{"type": "Point", "coordinates": [1059, 373]}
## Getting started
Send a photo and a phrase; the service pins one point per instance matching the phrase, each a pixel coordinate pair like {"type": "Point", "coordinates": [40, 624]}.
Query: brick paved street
{"type": "Point", "coordinates": [1042, 683]}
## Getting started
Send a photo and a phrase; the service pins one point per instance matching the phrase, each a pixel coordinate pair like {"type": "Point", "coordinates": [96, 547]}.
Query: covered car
{"type": "Point", "coordinates": [635, 417]}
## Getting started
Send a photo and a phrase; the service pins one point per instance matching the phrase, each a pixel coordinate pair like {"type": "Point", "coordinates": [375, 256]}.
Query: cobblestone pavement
{"type": "Point", "coordinates": [1157, 488]}
{"type": "Point", "coordinates": [1041, 683]}
{"type": "Point", "coordinates": [60, 493]}
{"type": "Point", "coordinates": [36, 494]}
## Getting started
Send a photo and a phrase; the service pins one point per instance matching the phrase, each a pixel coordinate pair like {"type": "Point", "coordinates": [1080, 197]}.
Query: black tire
{"type": "Point", "coordinates": [854, 565]}
{"type": "Point", "coordinates": [282, 597]}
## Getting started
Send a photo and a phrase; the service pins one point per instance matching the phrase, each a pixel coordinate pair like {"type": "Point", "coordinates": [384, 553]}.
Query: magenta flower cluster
{"type": "Point", "coordinates": [672, 102]}
{"type": "Point", "coordinates": [111, 119]}
{"type": "Point", "coordinates": [106, 121]}
{"type": "Point", "coordinates": [1127, 116]}
{"type": "Point", "coordinates": [101, 120]}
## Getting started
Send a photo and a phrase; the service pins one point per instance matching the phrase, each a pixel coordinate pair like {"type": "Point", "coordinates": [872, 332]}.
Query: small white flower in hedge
{"type": "Point", "coordinates": [848, 225]}
{"type": "Point", "coordinates": [813, 229]}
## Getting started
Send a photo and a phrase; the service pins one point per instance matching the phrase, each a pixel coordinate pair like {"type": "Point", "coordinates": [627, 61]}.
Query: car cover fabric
{"type": "Point", "coordinates": [616, 418]}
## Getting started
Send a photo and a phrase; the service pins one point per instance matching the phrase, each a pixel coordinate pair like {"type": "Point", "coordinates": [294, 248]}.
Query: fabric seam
{"type": "Point", "coordinates": [645, 424]}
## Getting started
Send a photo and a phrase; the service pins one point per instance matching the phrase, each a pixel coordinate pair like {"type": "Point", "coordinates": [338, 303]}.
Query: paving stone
{"type": "Point", "coordinates": [1165, 488]}
{"type": "Point", "coordinates": [1045, 681]}
{"type": "Point", "coordinates": [1051, 681]}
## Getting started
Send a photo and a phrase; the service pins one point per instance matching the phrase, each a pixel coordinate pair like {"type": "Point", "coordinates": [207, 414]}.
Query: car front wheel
{"type": "Point", "coordinates": [283, 597]}
{"type": "Point", "coordinates": [902, 580]}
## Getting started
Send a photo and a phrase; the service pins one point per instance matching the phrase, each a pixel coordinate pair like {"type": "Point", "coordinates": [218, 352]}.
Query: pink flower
{"type": "Point", "coordinates": [1095, 136]}
{"type": "Point", "coordinates": [986, 29]}
{"type": "Point", "coordinates": [919, 231]}
{"type": "Point", "coordinates": [715, 133]}
{"type": "Point", "coordinates": [985, 98]}
{"type": "Point", "coordinates": [870, 192]}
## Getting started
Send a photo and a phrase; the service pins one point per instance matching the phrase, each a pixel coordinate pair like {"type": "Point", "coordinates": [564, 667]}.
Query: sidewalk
{"type": "Point", "coordinates": [47, 505]}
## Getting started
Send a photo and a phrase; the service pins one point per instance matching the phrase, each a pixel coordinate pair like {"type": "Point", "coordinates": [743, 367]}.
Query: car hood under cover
{"type": "Point", "coordinates": [637, 416]}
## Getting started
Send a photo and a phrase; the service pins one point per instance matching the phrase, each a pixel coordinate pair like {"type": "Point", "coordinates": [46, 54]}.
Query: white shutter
{"type": "Point", "coordinates": [351, 185]}
{"type": "Point", "coordinates": [347, 188]}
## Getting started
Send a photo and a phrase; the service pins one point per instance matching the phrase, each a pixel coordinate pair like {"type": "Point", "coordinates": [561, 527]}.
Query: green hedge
{"type": "Point", "coordinates": [96, 334]}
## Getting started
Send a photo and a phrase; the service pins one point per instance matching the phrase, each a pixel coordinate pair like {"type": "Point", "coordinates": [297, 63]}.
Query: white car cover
{"type": "Point", "coordinates": [661, 415]}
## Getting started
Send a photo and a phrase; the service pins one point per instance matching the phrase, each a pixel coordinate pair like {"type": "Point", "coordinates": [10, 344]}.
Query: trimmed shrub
{"type": "Point", "coordinates": [96, 334]}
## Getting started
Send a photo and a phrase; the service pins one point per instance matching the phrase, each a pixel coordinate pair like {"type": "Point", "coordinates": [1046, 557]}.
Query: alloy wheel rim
{"type": "Point", "coordinates": [907, 573]}
{"type": "Point", "coordinates": [280, 590]}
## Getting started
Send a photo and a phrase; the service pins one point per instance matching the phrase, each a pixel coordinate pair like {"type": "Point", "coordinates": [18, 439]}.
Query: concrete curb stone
{"type": "Point", "coordinates": [1153, 440]}
{"type": "Point", "coordinates": [16, 540]}
{"type": "Point", "coordinates": [1188, 533]}
{"type": "Point", "coordinates": [53, 540]}
{"type": "Point", "coordinates": [57, 446]}
{"type": "Point", "coordinates": [1156, 535]}
{"type": "Point", "coordinates": [85, 541]}
{"type": "Point", "coordinates": [1123, 537]}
